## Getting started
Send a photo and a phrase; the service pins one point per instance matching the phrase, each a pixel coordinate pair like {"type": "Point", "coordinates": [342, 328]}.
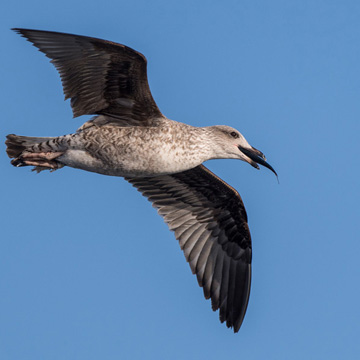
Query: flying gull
{"type": "Point", "coordinates": [162, 158]}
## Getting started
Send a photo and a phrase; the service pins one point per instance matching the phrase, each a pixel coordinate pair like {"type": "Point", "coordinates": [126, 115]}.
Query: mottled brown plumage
{"type": "Point", "coordinates": [162, 158]}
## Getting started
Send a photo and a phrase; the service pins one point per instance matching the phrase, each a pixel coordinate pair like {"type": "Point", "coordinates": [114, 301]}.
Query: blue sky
{"type": "Point", "coordinates": [88, 270]}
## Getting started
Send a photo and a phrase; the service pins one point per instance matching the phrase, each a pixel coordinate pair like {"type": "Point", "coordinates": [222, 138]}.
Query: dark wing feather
{"type": "Point", "coordinates": [210, 222]}
{"type": "Point", "coordinates": [100, 77]}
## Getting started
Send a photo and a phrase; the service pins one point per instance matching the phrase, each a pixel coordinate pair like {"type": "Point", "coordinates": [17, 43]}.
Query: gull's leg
{"type": "Point", "coordinates": [41, 160]}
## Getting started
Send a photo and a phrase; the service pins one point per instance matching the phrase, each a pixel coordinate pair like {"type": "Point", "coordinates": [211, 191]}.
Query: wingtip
{"type": "Point", "coordinates": [23, 31]}
{"type": "Point", "coordinates": [237, 325]}
{"type": "Point", "coordinates": [19, 31]}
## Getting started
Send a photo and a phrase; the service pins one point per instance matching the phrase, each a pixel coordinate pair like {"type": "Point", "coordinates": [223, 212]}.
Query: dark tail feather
{"type": "Point", "coordinates": [17, 144]}
{"type": "Point", "coordinates": [24, 152]}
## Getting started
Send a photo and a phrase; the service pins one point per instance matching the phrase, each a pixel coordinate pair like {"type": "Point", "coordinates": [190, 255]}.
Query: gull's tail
{"type": "Point", "coordinates": [34, 151]}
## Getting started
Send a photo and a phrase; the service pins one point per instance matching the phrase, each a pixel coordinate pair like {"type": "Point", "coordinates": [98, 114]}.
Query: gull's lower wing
{"type": "Point", "coordinates": [210, 222]}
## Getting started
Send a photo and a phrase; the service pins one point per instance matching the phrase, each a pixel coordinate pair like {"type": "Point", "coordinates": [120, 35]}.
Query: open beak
{"type": "Point", "coordinates": [256, 157]}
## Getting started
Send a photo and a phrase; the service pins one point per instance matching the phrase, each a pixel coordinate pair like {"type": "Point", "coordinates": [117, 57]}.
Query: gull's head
{"type": "Point", "coordinates": [232, 144]}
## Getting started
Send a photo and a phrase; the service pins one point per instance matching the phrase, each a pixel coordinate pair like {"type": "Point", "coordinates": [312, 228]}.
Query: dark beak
{"type": "Point", "coordinates": [256, 157]}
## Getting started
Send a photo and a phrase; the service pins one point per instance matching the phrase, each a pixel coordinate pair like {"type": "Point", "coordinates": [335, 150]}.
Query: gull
{"type": "Point", "coordinates": [162, 158]}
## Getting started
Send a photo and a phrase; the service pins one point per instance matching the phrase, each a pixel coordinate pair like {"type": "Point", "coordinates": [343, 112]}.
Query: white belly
{"type": "Point", "coordinates": [130, 164]}
{"type": "Point", "coordinates": [134, 151]}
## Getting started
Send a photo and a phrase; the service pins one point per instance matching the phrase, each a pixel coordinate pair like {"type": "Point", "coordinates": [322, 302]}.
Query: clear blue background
{"type": "Point", "coordinates": [88, 270]}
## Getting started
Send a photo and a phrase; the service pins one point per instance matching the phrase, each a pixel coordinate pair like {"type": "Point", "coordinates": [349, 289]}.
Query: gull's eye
{"type": "Point", "coordinates": [234, 134]}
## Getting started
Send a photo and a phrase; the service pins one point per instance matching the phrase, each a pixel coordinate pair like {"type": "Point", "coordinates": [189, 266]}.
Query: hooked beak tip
{"type": "Point", "coordinates": [257, 157]}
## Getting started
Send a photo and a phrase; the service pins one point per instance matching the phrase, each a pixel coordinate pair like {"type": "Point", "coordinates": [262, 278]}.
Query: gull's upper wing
{"type": "Point", "coordinates": [100, 77]}
{"type": "Point", "coordinates": [210, 222]}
